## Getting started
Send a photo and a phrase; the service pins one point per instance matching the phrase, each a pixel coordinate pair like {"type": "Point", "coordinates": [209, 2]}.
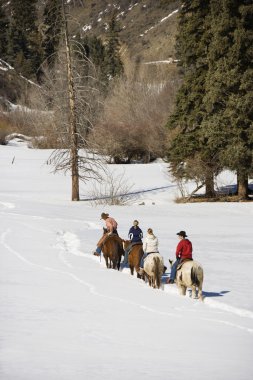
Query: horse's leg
{"type": "Point", "coordinates": [131, 269]}
{"type": "Point", "coordinates": [106, 261]}
{"type": "Point", "coordinates": [194, 291]}
{"type": "Point", "coordinates": [182, 290]}
{"type": "Point", "coordinates": [200, 295]}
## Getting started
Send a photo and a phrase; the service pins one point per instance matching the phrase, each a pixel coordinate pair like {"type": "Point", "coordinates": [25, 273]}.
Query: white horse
{"type": "Point", "coordinates": [190, 274]}
{"type": "Point", "coordinates": [153, 269]}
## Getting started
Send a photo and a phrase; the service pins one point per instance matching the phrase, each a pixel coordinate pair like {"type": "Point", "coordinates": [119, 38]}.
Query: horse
{"type": "Point", "coordinates": [112, 249]}
{"type": "Point", "coordinates": [190, 274]}
{"type": "Point", "coordinates": [134, 257]}
{"type": "Point", "coordinates": [153, 269]}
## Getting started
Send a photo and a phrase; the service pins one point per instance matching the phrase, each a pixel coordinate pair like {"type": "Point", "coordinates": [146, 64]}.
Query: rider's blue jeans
{"type": "Point", "coordinates": [127, 250]}
{"type": "Point", "coordinates": [98, 250]}
{"type": "Point", "coordinates": [173, 271]}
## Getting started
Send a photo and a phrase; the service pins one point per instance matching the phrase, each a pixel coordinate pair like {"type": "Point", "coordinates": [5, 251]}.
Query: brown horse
{"type": "Point", "coordinates": [112, 249]}
{"type": "Point", "coordinates": [134, 257]}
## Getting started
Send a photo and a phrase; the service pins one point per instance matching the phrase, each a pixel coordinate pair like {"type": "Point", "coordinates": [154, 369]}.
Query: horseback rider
{"type": "Point", "coordinates": [110, 228]}
{"type": "Point", "coordinates": [183, 252]}
{"type": "Point", "coordinates": [150, 245]}
{"type": "Point", "coordinates": [135, 235]}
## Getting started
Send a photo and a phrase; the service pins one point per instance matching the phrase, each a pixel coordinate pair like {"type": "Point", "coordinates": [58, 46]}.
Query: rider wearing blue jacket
{"type": "Point", "coordinates": [135, 235]}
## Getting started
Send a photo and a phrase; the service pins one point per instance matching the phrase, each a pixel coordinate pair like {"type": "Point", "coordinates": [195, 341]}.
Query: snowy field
{"type": "Point", "coordinates": [64, 316]}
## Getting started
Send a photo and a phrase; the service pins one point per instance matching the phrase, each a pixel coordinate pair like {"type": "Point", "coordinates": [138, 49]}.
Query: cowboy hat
{"type": "Point", "coordinates": [182, 233]}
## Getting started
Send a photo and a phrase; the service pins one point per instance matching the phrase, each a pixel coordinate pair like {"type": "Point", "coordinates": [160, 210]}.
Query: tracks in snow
{"type": "Point", "coordinates": [68, 244]}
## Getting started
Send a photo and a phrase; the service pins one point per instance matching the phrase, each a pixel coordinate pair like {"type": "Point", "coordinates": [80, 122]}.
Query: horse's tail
{"type": "Point", "coordinates": [194, 276]}
{"type": "Point", "coordinates": [157, 271]}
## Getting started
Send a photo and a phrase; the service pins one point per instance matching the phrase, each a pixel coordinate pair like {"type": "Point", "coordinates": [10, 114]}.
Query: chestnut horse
{"type": "Point", "coordinates": [112, 249]}
{"type": "Point", "coordinates": [134, 257]}
{"type": "Point", "coordinates": [190, 274]}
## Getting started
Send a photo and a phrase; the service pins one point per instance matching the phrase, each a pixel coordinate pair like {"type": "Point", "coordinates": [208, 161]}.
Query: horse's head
{"type": "Point", "coordinates": [126, 243]}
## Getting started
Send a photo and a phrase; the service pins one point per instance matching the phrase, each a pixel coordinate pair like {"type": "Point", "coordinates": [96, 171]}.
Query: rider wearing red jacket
{"type": "Point", "coordinates": [183, 252]}
{"type": "Point", "coordinates": [184, 249]}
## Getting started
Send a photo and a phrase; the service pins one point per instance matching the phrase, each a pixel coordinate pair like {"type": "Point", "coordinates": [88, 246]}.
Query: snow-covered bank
{"type": "Point", "coordinates": [65, 316]}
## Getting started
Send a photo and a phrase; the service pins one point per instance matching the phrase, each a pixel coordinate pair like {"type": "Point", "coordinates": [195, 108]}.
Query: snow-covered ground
{"type": "Point", "coordinates": [65, 316]}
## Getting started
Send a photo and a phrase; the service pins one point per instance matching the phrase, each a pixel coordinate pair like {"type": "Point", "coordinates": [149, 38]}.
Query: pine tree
{"type": "Point", "coordinates": [24, 51]}
{"type": "Point", "coordinates": [4, 27]}
{"type": "Point", "coordinates": [94, 50]}
{"type": "Point", "coordinates": [52, 26]}
{"type": "Point", "coordinates": [229, 90]}
{"type": "Point", "coordinates": [114, 65]}
{"type": "Point", "coordinates": [186, 122]}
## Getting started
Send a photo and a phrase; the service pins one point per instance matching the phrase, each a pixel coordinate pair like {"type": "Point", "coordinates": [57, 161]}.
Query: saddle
{"type": "Point", "coordinates": [133, 245]}
{"type": "Point", "coordinates": [182, 263]}
{"type": "Point", "coordinates": [113, 235]}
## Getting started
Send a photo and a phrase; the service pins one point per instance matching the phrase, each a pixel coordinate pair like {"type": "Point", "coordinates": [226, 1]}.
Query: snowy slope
{"type": "Point", "coordinates": [65, 316]}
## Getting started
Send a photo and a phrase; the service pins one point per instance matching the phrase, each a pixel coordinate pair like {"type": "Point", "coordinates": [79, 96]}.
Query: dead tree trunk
{"type": "Point", "coordinates": [72, 113]}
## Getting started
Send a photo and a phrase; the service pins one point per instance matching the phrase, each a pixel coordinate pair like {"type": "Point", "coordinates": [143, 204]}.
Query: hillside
{"type": "Point", "coordinates": [147, 36]}
{"type": "Point", "coordinates": [147, 30]}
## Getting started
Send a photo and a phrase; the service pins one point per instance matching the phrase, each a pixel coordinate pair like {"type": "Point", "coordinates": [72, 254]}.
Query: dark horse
{"type": "Point", "coordinates": [134, 257]}
{"type": "Point", "coordinates": [112, 249]}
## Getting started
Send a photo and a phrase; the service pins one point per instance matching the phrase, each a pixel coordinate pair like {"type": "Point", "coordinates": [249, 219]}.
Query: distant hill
{"type": "Point", "coordinates": [147, 27]}
{"type": "Point", "coordinates": [147, 34]}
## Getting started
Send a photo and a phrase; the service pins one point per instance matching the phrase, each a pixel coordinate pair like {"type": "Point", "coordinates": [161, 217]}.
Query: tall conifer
{"type": "Point", "coordinates": [113, 61]}
{"type": "Point", "coordinates": [4, 28]}
{"type": "Point", "coordinates": [229, 87]}
{"type": "Point", "coordinates": [24, 42]}
{"type": "Point", "coordinates": [192, 46]}
{"type": "Point", "coordinates": [52, 26]}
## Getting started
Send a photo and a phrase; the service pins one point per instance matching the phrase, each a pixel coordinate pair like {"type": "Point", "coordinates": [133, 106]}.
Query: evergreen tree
{"type": "Point", "coordinates": [186, 122]}
{"type": "Point", "coordinates": [52, 25]}
{"type": "Point", "coordinates": [114, 65]}
{"type": "Point", "coordinates": [229, 87]}
{"type": "Point", "coordinates": [94, 50]}
{"type": "Point", "coordinates": [4, 27]}
{"type": "Point", "coordinates": [24, 51]}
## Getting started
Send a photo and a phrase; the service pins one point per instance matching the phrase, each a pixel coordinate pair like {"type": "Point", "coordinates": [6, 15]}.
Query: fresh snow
{"type": "Point", "coordinates": [65, 316]}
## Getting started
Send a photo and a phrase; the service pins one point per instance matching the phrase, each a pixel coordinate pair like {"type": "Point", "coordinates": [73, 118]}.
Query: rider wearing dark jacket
{"type": "Point", "coordinates": [135, 233]}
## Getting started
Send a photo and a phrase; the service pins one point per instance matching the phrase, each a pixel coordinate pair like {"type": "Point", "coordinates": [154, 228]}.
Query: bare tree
{"type": "Point", "coordinates": [114, 189]}
{"type": "Point", "coordinates": [70, 99]}
{"type": "Point", "coordinates": [72, 112]}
